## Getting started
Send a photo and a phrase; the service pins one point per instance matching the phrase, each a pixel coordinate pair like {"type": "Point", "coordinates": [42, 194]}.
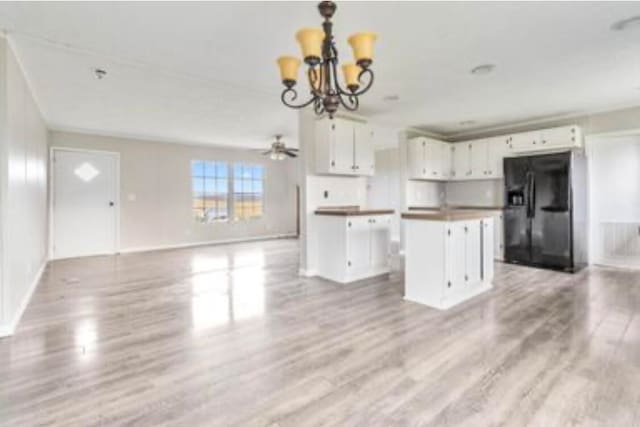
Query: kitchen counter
{"type": "Point", "coordinates": [353, 212]}
{"type": "Point", "coordinates": [448, 215]}
{"type": "Point", "coordinates": [453, 208]}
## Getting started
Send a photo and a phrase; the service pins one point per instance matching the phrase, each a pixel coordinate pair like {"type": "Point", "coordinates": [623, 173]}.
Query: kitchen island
{"type": "Point", "coordinates": [448, 255]}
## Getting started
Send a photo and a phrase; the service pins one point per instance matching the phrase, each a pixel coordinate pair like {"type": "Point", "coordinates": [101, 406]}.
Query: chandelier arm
{"type": "Point", "coordinates": [293, 95]}
{"type": "Point", "coordinates": [369, 73]}
{"type": "Point", "coordinates": [352, 102]}
{"type": "Point", "coordinates": [318, 79]}
{"type": "Point", "coordinates": [318, 107]}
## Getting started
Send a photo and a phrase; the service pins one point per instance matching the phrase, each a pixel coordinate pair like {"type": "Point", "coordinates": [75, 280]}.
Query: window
{"type": "Point", "coordinates": [248, 194]}
{"type": "Point", "coordinates": [210, 186]}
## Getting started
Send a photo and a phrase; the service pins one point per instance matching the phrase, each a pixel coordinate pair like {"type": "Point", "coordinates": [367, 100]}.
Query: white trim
{"type": "Point", "coordinates": [116, 155]}
{"type": "Point", "coordinates": [10, 328]}
{"type": "Point", "coordinates": [206, 243]}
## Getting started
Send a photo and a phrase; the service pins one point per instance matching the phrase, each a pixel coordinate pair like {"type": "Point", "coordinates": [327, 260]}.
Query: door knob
{"type": "Point", "coordinates": [111, 203]}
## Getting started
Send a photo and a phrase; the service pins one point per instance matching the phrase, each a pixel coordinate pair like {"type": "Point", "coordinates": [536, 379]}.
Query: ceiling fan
{"type": "Point", "coordinates": [279, 151]}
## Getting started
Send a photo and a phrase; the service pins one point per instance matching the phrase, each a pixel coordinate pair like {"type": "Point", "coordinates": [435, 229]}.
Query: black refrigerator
{"type": "Point", "coordinates": [545, 218]}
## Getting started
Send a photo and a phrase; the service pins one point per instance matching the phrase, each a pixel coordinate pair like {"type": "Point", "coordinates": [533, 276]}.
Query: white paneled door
{"type": "Point", "coordinates": [84, 202]}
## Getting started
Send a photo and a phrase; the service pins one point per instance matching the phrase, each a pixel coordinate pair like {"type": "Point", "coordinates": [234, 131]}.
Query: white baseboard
{"type": "Point", "coordinates": [307, 273]}
{"type": "Point", "coordinates": [206, 243]}
{"type": "Point", "coordinates": [9, 328]}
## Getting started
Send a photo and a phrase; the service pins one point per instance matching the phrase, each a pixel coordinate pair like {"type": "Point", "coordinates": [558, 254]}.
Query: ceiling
{"type": "Point", "coordinates": [205, 72]}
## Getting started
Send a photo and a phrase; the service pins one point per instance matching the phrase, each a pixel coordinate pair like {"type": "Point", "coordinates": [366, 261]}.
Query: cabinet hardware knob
{"type": "Point", "coordinates": [349, 223]}
{"type": "Point", "coordinates": [448, 284]}
{"type": "Point", "coordinates": [333, 163]}
{"type": "Point", "coordinates": [349, 263]}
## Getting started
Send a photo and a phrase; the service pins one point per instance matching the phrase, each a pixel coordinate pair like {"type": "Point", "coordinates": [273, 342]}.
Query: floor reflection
{"type": "Point", "coordinates": [85, 337]}
{"type": "Point", "coordinates": [223, 297]}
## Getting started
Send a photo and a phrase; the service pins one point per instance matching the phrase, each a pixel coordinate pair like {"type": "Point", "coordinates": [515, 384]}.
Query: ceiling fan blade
{"type": "Point", "coordinates": [293, 149]}
{"type": "Point", "coordinates": [264, 153]}
{"type": "Point", "coordinates": [290, 154]}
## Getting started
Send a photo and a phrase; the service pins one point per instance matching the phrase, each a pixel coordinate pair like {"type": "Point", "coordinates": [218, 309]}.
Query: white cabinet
{"type": "Point", "coordinates": [428, 159]}
{"type": "Point", "coordinates": [485, 158]}
{"type": "Point", "coordinates": [478, 152]}
{"type": "Point", "coordinates": [447, 262]}
{"type": "Point", "coordinates": [364, 152]}
{"type": "Point", "coordinates": [564, 137]}
{"type": "Point", "coordinates": [344, 147]}
{"type": "Point", "coordinates": [497, 149]}
{"type": "Point", "coordinates": [498, 236]}
{"type": "Point", "coordinates": [353, 247]}
{"type": "Point", "coordinates": [461, 160]}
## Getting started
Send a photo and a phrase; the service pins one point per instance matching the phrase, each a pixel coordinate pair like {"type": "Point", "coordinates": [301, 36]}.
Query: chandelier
{"type": "Point", "coordinates": [321, 57]}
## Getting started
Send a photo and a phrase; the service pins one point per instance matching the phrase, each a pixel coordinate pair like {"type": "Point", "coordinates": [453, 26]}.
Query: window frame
{"type": "Point", "coordinates": [230, 167]}
{"type": "Point", "coordinates": [232, 193]}
{"type": "Point", "coordinates": [214, 179]}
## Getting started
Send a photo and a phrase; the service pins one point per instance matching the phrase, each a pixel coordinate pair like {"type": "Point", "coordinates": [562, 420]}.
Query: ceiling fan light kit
{"type": "Point", "coordinates": [321, 57]}
{"type": "Point", "coordinates": [279, 151]}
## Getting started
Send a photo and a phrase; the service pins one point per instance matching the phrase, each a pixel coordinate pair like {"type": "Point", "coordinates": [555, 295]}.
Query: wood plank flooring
{"type": "Point", "coordinates": [231, 336]}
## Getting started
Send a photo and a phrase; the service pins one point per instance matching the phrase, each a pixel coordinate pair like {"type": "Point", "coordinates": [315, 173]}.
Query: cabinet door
{"type": "Point", "coordinates": [488, 235]}
{"type": "Point", "coordinates": [455, 257]}
{"type": "Point", "coordinates": [461, 161]}
{"type": "Point", "coordinates": [433, 155]}
{"type": "Point", "coordinates": [498, 237]}
{"type": "Point", "coordinates": [363, 149]}
{"type": "Point", "coordinates": [415, 158]}
{"type": "Point", "coordinates": [497, 150]}
{"type": "Point", "coordinates": [567, 136]}
{"type": "Point", "coordinates": [358, 244]}
{"type": "Point", "coordinates": [479, 161]}
{"type": "Point", "coordinates": [473, 251]}
{"type": "Point", "coordinates": [342, 142]}
{"type": "Point", "coordinates": [522, 142]}
{"type": "Point", "coordinates": [380, 227]}
{"type": "Point", "coordinates": [445, 163]}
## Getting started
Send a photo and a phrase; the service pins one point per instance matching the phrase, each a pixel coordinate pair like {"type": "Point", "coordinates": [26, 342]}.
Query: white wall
{"type": "Point", "coordinates": [23, 190]}
{"type": "Point", "coordinates": [614, 199]}
{"type": "Point", "coordinates": [155, 192]}
{"type": "Point", "coordinates": [382, 188]}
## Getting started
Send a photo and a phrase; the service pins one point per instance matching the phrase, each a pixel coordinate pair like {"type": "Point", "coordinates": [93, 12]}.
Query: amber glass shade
{"type": "Point", "coordinates": [351, 73]}
{"type": "Point", "coordinates": [289, 68]}
{"type": "Point", "coordinates": [362, 45]}
{"type": "Point", "coordinates": [310, 40]}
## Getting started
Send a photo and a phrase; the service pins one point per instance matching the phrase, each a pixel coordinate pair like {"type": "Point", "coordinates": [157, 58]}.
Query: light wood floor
{"type": "Point", "coordinates": [231, 336]}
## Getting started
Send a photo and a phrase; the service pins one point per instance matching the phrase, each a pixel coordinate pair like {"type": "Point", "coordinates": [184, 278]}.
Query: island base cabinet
{"type": "Point", "coordinates": [447, 262]}
{"type": "Point", "coordinates": [354, 247]}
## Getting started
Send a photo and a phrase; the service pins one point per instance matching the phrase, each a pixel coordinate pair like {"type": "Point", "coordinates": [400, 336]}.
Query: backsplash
{"type": "Point", "coordinates": [475, 193]}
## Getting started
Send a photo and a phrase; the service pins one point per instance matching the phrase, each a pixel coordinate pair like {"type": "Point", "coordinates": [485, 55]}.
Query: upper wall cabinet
{"type": "Point", "coordinates": [428, 159]}
{"type": "Point", "coordinates": [479, 159]}
{"type": "Point", "coordinates": [566, 137]}
{"type": "Point", "coordinates": [344, 147]}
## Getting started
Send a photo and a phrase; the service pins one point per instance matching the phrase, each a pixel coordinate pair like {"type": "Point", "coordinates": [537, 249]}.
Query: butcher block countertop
{"type": "Point", "coordinates": [352, 211]}
{"type": "Point", "coordinates": [453, 208]}
{"type": "Point", "coordinates": [448, 215]}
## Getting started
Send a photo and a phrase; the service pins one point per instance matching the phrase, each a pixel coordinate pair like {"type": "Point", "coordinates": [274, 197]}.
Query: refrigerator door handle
{"type": "Point", "coordinates": [527, 194]}
{"type": "Point", "coordinates": [532, 194]}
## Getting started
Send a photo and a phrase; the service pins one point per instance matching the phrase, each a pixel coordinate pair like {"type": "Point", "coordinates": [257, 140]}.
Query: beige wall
{"type": "Point", "coordinates": [23, 190]}
{"type": "Point", "coordinates": [155, 192]}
